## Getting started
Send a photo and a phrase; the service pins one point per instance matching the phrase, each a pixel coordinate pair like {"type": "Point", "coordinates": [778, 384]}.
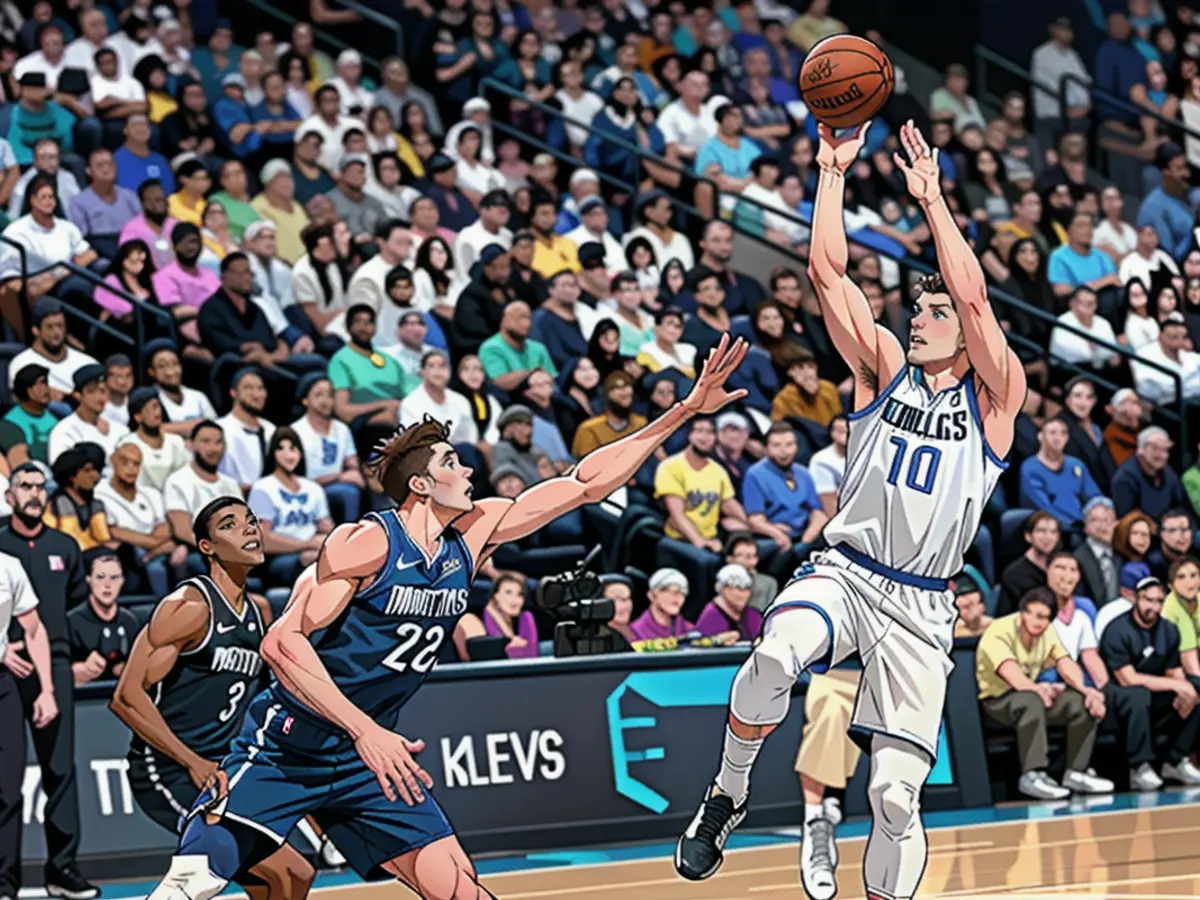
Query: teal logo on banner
{"type": "Point", "coordinates": [678, 688]}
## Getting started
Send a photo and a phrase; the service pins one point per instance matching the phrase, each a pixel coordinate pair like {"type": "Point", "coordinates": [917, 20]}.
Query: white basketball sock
{"type": "Point", "coordinates": [736, 762]}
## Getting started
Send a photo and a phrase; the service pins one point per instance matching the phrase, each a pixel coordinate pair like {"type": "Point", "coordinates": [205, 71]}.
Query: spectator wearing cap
{"type": "Point", "coordinates": [559, 322]}
{"type": "Point", "coordinates": [480, 306]}
{"type": "Point", "coordinates": [595, 282]}
{"type": "Point", "coordinates": [154, 226]}
{"type": "Point", "coordinates": [73, 508]}
{"type": "Point", "coordinates": [87, 423]}
{"type": "Point", "coordinates": [278, 204]}
{"type": "Point", "coordinates": [636, 325]}
{"type": "Point", "coordinates": [187, 203]}
{"type": "Point", "coordinates": [698, 494]}
{"type": "Point", "coordinates": [478, 112]}
{"type": "Point", "coordinates": [1176, 537]}
{"type": "Point", "coordinates": [510, 355]}
{"type": "Point", "coordinates": [516, 449]}
{"type": "Point", "coordinates": [655, 214]}
{"type": "Point", "coordinates": [593, 228]}
{"type": "Point", "coordinates": [552, 252]}
{"type": "Point", "coordinates": [617, 420]}
{"type": "Point", "coordinates": [1053, 481]}
{"type": "Point", "coordinates": [1141, 648]}
{"type": "Point", "coordinates": [582, 185]}
{"type": "Point", "coordinates": [972, 619]}
{"type": "Point", "coordinates": [162, 453]}
{"type": "Point", "coordinates": [329, 122]}
{"type": "Point", "coordinates": [104, 208]}
{"type": "Point", "coordinates": [434, 399]}
{"type": "Point", "coordinates": [455, 211]}
{"type": "Point", "coordinates": [137, 522]}
{"type": "Point", "coordinates": [729, 614]}
{"type": "Point", "coordinates": [355, 99]}
{"type": "Point", "coordinates": [119, 378]}
{"type": "Point", "coordinates": [25, 427]}
{"type": "Point", "coordinates": [1169, 352]}
{"type": "Point", "coordinates": [1168, 207]}
{"type": "Point", "coordinates": [780, 497]}
{"type": "Point", "coordinates": [36, 117]}
{"type": "Point", "coordinates": [668, 593]}
{"type": "Point", "coordinates": [361, 213]}
{"type": "Point", "coordinates": [1146, 480]}
{"type": "Point", "coordinates": [490, 228]}
{"type": "Point", "coordinates": [49, 348]}
{"type": "Point", "coordinates": [1131, 574]}
{"type": "Point", "coordinates": [733, 434]}
{"type": "Point", "coordinates": [366, 383]}
{"type": "Point", "coordinates": [1099, 566]}
{"type": "Point", "coordinates": [310, 177]}
{"type": "Point", "coordinates": [183, 407]}
{"type": "Point", "coordinates": [330, 457]}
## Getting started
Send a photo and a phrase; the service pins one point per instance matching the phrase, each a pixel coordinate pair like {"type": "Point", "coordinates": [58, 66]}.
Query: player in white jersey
{"type": "Point", "coordinates": [928, 437]}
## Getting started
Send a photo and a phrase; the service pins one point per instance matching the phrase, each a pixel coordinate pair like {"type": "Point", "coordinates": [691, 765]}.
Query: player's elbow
{"type": "Point", "coordinates": [823, 271]}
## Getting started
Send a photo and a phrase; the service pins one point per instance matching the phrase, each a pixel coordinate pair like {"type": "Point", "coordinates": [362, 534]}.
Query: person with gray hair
{"type": "Point", "coordinates": [1099, 567]}
{"type": "Point", "coordinates": [663, 619]}
{"type": "Point", "coordinates": [1146, 480]}
{"type": "Point", "coordinates": [729, 615]}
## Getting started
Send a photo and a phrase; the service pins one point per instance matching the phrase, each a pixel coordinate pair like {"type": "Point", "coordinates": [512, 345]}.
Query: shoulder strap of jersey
{"type": "Point", "coordinates": [204, 585]}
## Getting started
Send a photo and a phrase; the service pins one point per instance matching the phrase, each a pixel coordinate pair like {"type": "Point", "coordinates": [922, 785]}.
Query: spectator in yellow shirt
{"type": "Point", "coordinates": [618, 419]}
{"type": "Point", "coordinates": [814, 25]}
{"type": "Point", "coordinates": [73, 508]}
{"type": "Point", "coordinates": [1012, 654]}
{"type": "Point", "coordinates": [698, 493]}
{"type": "Point", "coordinates": [1182, 610]}
{"type": "Point", "coordinates": [807, 396]}
{"type": "Point", "coordinates": [187, 204]}
{"type": "Point", "coordinates": [552, 253]}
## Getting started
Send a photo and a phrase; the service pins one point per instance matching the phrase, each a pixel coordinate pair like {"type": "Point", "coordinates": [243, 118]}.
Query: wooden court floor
{"type": "Point", "coordinates": [1127, 855]}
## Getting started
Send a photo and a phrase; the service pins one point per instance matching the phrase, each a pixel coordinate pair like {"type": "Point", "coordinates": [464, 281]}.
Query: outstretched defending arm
{"type": "Point", "coordinates": [998, 367]}
{"type": "Point", "coordinates": [872, 352]}
{"type": "Point", "coordinates": [497, 521]}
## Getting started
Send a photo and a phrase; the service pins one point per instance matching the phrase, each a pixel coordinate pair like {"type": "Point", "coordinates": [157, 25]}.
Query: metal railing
{"type": "Point", "coordinates": [320, 36]}
{"type": "Point", "coordinates": [998, 296]}
{"type": "Point", "coordinates": [378, 18]}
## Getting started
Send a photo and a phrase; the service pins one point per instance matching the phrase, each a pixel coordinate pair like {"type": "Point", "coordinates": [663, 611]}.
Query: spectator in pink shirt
{"type": "Point", "coordinates": [729, 614]}
{"type": "Point", "coordinates": [668, 591]}
{"type": "Point", "coordinates": [153, 226]}
{"type": "Point", "coordinates": [132, 271]}
{"type": "Point", "coordinates": [504, 616]}
{"type": "Point", "coordinates": [183, 286]}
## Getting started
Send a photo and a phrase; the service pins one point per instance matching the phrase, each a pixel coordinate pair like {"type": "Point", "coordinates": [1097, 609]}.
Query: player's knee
{"type": "Point", "coordinates": [189, 878]}
{"type": "Point", "coordinates": [896, 807]}
{"type": "Point", "coordinates": [291, 881]}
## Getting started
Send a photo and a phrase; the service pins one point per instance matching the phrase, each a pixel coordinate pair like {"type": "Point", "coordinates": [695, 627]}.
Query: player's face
{"type": "Point", "coordinates": [622, 599]}
{"type": "Point", "coordinates": [106, 582]}
{"type": "Point", "coordinates": [936, 332]}
{"type": "Point", "coordinates": [668, 600]}
{"type": "Point", "coordinates": [1045, 536]}
{"type": "Point", "coordinates": [234, 537]}
{"type": "Point", "coordinates": [1187, 582]}
{"type": "Point", "coordinates": [1036, 619]}
{"type": "Point", "coordinates": [1062, 577]}
{"type": "Point", "coordinates": [447, 482]}
{"type": "Point", "coordinates": [1148, 605]}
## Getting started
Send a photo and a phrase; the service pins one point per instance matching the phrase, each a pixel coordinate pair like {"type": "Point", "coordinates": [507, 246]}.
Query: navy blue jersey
{"type": "Point", "coordinates": [388, 638]}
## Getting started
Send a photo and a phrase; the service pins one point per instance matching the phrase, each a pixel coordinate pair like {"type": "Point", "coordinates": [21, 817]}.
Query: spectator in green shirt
{"type": "Point", "coordinates": [235, 197]}
{"type": "Point", "coordinates": [367, 385]}
{"type": "Point", "coordinates": [509, 357]}
{"type": "Point", "coordinates": [36, 117]}
{"type": "Point", "coordinates": [25, 429]}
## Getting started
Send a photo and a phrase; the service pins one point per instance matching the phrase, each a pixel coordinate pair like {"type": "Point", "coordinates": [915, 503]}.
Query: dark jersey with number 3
{"type": "Point", "coordinates": [204, 697]}
{"type": "Point", "coordinates": [383, 645]}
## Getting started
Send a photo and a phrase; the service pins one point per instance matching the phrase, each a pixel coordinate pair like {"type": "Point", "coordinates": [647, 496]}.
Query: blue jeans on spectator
{"type": "Point", "coordinates": [345, 501]}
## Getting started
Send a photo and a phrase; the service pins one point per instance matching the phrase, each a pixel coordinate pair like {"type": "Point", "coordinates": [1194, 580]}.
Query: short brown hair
{"type": "Point", "coordinates": [780, 428]}
{"type": "Point", "coordinates": [405, 454]}
{"type": "Point", "coordinates": [933, 283]}
{"type": "Point", "coordinates": [1037, 518]}
{"type": "Point", "coordinates": [1180, 563]}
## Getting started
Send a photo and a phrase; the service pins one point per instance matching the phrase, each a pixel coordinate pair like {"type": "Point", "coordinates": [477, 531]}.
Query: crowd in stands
{"type": "Point", "coordinates": [238, 262]}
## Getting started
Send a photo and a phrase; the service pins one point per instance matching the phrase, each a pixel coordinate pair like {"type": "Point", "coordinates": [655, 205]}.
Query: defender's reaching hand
{"type": "Point", "coordinates": [921, 172]}
{"type": "Point", "coordinates": [837, 154]}
{"type": "Point", "coordinates": [709, 394]}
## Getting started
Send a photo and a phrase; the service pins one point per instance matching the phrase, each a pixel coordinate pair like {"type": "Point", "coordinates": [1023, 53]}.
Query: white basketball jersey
{"type": "Point", "coordinates": [918, 476]}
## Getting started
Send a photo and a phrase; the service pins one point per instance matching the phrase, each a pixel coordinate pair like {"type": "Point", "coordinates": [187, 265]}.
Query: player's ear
{"type": "Point", "coordinates": [420, 484]}
{"type": "Point", "coordinates": [204, 545]}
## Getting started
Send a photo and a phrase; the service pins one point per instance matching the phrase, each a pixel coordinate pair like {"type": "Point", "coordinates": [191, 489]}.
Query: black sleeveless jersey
{"type": "Point", "coordinates": [205, 696]}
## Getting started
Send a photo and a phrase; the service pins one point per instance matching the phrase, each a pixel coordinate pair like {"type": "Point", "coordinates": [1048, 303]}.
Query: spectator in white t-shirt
{"type": "Point", "coordinates": [1168, 352]}
{"type": "Point", "coordinates": [687, 123]}
{"type": "Point", "coordinates": [828, 465]}
{"type": "Point", "coordinates": [1049, 63]}
{"type": "Point", "coordinates": [593, 228]}
{"type": "Point", "coordinates": [1147, 258]}
{"type": "Point", "coordinates": [292, 509]}
{"type": "Point", "coordinates": [1069, 347]}
{"type": "Point", "coordinates": [1073, 619]}
{"type": "Point", "coordinates": [162, 453]}
{"type": "Point", "coordinates": [1114, 235]}
{"type": "Point", "coordinates": [87, 423]}
{"type": "Point", "coordinates": [138, 519]}
{"type": "Point", "coordinates": [330, 457]}
{"type": "Point", "coordinates": [434, 399]}
{"type": "Point", "coordinates": [50, 349]}
{"type": "Point", "coordinates": [247, 435]}
{"type": "Point", "coordinates": [183, 407]}
{"type": "Point", "coordinates": [197, 484]}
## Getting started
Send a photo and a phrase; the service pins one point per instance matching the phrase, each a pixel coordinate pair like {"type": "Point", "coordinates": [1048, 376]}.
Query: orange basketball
{"type": "Point", "coordinates": [845, 80]}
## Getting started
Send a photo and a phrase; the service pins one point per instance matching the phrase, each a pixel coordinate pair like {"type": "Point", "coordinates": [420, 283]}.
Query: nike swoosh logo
{"type": "Point", "coordinates": [221, 630]}
{"type": "Point", "coordinates": [401, 565]}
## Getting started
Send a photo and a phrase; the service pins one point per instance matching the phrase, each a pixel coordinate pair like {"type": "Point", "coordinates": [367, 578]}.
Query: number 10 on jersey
{"type": "Point", "coordinates": [919, 468]}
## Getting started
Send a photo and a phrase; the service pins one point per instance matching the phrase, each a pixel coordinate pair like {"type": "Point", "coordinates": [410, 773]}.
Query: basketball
{"type": "Point", "coordinates": [845, 80]}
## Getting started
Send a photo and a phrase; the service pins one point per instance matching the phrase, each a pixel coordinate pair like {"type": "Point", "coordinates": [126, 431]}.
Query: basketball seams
{"type": "Point", "coordinates": [880, 67]}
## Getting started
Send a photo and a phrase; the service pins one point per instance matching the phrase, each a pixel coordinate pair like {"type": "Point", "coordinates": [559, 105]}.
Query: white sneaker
{"type": "Point", "coordinates": [1185, 772]}
{"type": "Point", "coordinates": [1086, 782]}
{"type": "Point", "coordinates": [833, 810]}
{"type": "Point", "coordinates": [1040, 786]}
{"type": "Point", "coordinates": [1144, 778]}
{"type": "Point", "coordinates": [818, 860]}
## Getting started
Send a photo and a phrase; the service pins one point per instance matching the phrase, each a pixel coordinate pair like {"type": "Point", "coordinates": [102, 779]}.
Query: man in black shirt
{"type": "Point", "coordinates": [100, 631]}
{"type": "Point", "coordinates": [1028, 570]}
{"type": "Point", "coordinates": [54, 565]}
{"type": "Point", "coordinates": [1141, 649]}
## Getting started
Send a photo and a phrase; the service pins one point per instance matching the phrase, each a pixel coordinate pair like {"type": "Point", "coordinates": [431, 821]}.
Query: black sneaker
{"type": "Point", "coordinates": [701, 850]}
{"type": "Point", "coordinates": [70, 885]}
